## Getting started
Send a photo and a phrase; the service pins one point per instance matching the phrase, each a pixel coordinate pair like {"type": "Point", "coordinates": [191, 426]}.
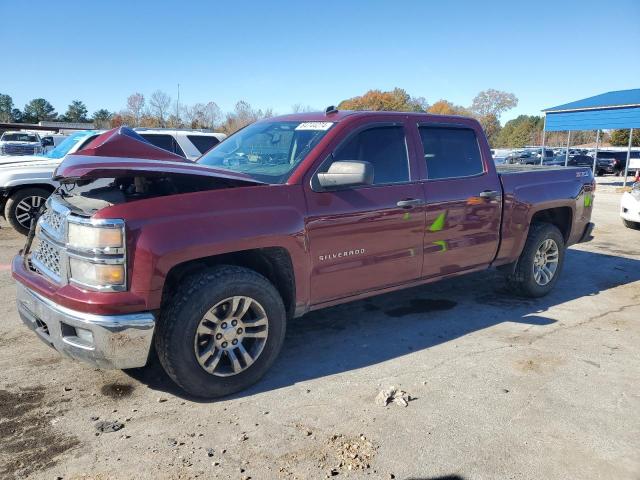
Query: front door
{"type": "Point", "coordinates": [367, 237]}
{"type": "Point", "coordinates": [464, 204]}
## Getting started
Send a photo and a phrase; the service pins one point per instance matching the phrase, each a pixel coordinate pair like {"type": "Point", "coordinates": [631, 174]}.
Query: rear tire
{"type": "Point", "coordinates": [630, 224]}
{"type": "Point", "coordinates": [534, 276]}
{"type": "Point", "coordinates": [186, 353]}
{"type": "Point", "coordinates": [22, 206]}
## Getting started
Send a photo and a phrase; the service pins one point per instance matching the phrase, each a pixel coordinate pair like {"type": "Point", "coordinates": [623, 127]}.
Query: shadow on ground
{"type": "Point", "coordinates": [371, 331]}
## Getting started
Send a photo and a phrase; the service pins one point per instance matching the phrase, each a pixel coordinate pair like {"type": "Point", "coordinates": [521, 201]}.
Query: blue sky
{"type": "Point", "coordinates": [279, 53]}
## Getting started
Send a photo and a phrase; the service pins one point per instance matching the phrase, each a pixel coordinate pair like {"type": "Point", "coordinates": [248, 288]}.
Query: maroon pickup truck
{"type": "Point", "coordinates": [206, 261]}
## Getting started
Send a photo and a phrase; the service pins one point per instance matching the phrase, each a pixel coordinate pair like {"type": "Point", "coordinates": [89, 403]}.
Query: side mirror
{"type": "Point", "coordinates": [349, 173]}
{"type": "Point", "coordinates": [47, 142]}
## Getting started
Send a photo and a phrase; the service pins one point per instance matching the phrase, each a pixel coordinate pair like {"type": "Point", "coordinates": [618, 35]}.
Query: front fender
{"type": "Point", "coordinates": [167, 231]}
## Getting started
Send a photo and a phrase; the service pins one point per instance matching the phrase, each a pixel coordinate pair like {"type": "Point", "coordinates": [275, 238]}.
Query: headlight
{"type": "Point", "coordinates": [90, 237]}
{"type": "Point", "coordinates": [97, 256]}
{"type": "Point", "coordinates": [97, 275]}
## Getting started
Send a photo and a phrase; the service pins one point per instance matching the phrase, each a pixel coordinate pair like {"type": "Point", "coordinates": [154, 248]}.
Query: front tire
{"type": "Point", "coordinates": [22, 206]}
{"type": "Point", "coordinates": [540, 262]}
{"type": "Point", "coordinates": [630, 224]}
{"type": "Point", "coordinates": [220, 331]}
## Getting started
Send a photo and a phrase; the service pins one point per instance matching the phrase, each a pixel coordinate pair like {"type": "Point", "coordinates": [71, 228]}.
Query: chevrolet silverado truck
{"type": "Point", "coordinates": [206, 261]}
{"type": "Point", "coordinates": [26, 181]}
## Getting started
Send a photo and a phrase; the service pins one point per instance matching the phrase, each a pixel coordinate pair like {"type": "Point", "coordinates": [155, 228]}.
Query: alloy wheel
{"type": "Point", "coordinates": [231, 336]}
{"type": "Point", "coordinates": [26, 209]}
{"type": "Point", "coordinates": [545, 262]}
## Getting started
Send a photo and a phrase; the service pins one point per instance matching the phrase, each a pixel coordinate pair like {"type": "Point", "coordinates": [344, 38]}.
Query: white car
{"type": "Point", "coordinates": [20, 143]}
{"type": "Point", "coordinates": [25, 181]}
{"type": "Point", "coordinates": [630, 207]}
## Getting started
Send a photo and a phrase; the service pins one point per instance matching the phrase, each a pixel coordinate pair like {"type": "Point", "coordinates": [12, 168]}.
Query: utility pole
{"type": "Point", "coordinates": [178, 106]}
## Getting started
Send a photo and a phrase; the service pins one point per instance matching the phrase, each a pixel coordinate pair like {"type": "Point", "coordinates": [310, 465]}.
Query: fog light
{"type": "Point", "coordinates": [84, 335]}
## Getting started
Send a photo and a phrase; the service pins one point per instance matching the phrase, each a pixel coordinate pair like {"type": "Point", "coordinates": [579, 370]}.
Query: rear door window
{"type": "Point", "coordinates": [203, 142]}
{"type": "Point", "coordinates": [451, 152]}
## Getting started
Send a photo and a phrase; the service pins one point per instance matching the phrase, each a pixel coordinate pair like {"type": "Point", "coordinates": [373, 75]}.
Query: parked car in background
{"type": "Point", "coordinates": [49, 142]}
{"type": "Point", "coordinates": [500, 155]}
{"type": "Point", "coordinates": [580, 160]}
{"type": "Point", "coordinates": [614, 161]}
{"type": "Point", "coordinates": [208, 261]}
{"type": "Point", "coordinates": [630, 207]}
{"type": "Point", "coordinates": [190, 144]}
{"type": "Point", "coordinates": [26, 181]}
{"type": "Point", "coordinates": [21, 143]}
{"type": "Point", "coordinates": [548, 154]}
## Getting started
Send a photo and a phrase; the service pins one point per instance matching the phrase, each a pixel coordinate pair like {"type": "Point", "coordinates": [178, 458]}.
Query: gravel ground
{"type": "Point", "coordinates": [498, 387]}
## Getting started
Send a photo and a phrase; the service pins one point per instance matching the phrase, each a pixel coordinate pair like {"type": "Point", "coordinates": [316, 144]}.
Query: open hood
{"type": "Point", "coordinates": [122, 152]}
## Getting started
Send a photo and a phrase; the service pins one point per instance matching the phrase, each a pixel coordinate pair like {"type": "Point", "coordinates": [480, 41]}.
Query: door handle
{"type": "Point", "coordinates": [410, 203]}
{"type": "Point", "coordinates": [489, 194]}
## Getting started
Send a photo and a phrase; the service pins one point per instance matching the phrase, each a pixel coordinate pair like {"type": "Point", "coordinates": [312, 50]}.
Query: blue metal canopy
{"type": "Point", "coordinates": [611, 110]}
{"type": "Point", "coordinates": [620, 109]}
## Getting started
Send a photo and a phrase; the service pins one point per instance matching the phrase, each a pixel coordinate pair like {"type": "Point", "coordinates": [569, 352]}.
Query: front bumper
{"type": "Point", "coordinates": [105, 341]}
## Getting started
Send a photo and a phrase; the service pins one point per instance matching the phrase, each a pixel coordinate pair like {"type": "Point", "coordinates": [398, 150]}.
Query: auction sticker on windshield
{"type": "Point", "coordinates": [314, 126]}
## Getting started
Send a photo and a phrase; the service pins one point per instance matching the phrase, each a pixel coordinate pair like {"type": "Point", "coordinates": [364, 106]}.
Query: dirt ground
{"type": "Point", "coordinates": [499, 387]}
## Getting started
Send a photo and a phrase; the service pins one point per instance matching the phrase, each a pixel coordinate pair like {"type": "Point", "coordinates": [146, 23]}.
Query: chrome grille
{"type": "Point", "coordinates": [45, 257]}
{"type": "Point", "coordinates": [18, 149]}
{"type": "Point", "coordinates": [53, 222]}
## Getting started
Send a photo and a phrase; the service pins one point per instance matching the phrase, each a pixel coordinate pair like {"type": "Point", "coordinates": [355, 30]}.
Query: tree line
{"type": "Point", "coordinates": [160, 110]}
{"type": "Point", "coordinates": [156, 111]}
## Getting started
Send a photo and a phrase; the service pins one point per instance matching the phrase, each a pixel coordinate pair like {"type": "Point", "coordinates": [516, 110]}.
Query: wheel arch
{"type": "Point", "coordinates": [561, 217]}
{"type": "Point", "coordinates": [274, 263]}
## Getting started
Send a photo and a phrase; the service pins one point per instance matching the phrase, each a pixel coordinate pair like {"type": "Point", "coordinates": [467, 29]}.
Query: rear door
{"type": "Point", "coordinates": [463, 195]}
{"type": "Point", "coordinates": [363, 238]}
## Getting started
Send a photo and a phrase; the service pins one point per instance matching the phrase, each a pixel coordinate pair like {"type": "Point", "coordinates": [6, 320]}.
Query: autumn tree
{"type": "Point", "coordinates": [135, 107]}
{"type": "Point", "coordinates": [620, 138]}
{"type": "Point", "coordinates": [243, 115]}
{"type": "Point", "coordinates": [6, 108]}
{"type": "Point", "coordinates": [445, 107]}
{"type": "Point", "coordinates": [395, 100]}
{"type": "Point", "coordinates": [212, 115]}
{"type": "Point", "coordinates": [493, 102]}
{"type": "Point", "coordinates": [76, 112]}
{"type": "Point", "coordinates": [38, 110]}
{"type": "Point", "coordinates": [160, 102]}
{"type": "Point", "coordinates": [117, 120]}
{"type": "Point", "coordinates": [491, 126]}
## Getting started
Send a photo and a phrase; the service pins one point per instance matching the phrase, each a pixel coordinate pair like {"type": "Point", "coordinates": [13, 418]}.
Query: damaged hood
{"type": "Point", "coordinates": [122, 152]}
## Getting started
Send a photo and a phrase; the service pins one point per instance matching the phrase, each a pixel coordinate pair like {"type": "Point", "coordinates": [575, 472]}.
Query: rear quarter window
{"type": "Point", "coordinates": [165, 142]}
{"type": "Point", "coordinates": [203, 143]}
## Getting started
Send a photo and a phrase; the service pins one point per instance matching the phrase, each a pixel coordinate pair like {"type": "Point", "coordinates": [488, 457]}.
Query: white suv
{"type": "Point", "coordinates": [20, 143]}
{"type": "Point", "coordinates": [25, 181]}
{"type": "Point", "coordinates": [190, 144]}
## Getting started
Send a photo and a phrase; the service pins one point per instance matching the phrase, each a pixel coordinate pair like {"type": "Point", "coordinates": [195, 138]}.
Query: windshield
{"type": "Point", "coordinates": [267, 151]}
{"type": "Point", "coordinates": [67, 144]}
{"type": "Point", "coordinates": [19, 137]}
